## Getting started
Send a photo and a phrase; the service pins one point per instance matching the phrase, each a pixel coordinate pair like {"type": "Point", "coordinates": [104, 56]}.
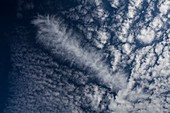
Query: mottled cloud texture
{"type": "Point", "coordinates": [97, 56]}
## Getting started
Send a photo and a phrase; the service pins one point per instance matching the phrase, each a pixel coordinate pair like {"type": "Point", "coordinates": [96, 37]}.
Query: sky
{"type": "Point", "coordinates": [85, 56]}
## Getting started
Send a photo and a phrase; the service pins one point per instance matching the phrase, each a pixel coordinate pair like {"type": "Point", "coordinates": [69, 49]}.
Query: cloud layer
{"type": "Point", "coordinates": [134, 37]}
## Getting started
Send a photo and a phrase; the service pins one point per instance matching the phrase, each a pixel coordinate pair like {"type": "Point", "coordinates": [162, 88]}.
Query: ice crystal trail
{"type": "Point", "coordinates": [55, 37]}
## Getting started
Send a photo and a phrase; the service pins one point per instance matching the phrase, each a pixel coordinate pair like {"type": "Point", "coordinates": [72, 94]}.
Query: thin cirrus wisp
{"type": "Point", "coordinates": [55, 37]}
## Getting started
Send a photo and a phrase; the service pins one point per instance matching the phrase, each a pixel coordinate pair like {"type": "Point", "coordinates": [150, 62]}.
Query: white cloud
{"type": "Point", "coordinates": [146, 35]}
{"type": "Point", "coordinates": [103, 36]}
{"type": "Point", "coordinates": [164, 6]}
{"type": "Point", "coordinates": [127, 48]}
{"type": "Point", "coordinates": [114, 3]}
{"type": "Point", "coordinates": [54, 36]}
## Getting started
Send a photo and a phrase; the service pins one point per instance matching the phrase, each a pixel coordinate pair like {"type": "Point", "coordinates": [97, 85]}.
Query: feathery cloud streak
{"type": "Point", "coordinates": [63, 42]}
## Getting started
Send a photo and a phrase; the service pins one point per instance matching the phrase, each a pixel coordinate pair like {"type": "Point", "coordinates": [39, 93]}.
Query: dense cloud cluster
{"type": "Point", "coordinates": [102, 56]}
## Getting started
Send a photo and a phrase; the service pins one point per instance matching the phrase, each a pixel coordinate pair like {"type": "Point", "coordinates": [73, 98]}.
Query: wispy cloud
{"type": "Point", "coordinates": [61, 41]}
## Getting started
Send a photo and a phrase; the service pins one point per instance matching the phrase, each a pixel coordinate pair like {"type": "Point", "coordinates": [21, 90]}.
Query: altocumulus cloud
{"type": "Point", "coordinates": [136, 40]}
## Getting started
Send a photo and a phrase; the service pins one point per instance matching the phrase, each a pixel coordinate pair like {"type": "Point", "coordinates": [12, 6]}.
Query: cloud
{"type": "Point", "coordinates": [54, 87]}
{"type": "Point", "coordinates": [55, 37]}
{"type": "Point", "coordinates": [146, 35]}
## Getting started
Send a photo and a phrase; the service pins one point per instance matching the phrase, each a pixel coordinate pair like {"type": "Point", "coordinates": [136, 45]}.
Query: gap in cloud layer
{"type": "Point", "coordinates": [64, 44]}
